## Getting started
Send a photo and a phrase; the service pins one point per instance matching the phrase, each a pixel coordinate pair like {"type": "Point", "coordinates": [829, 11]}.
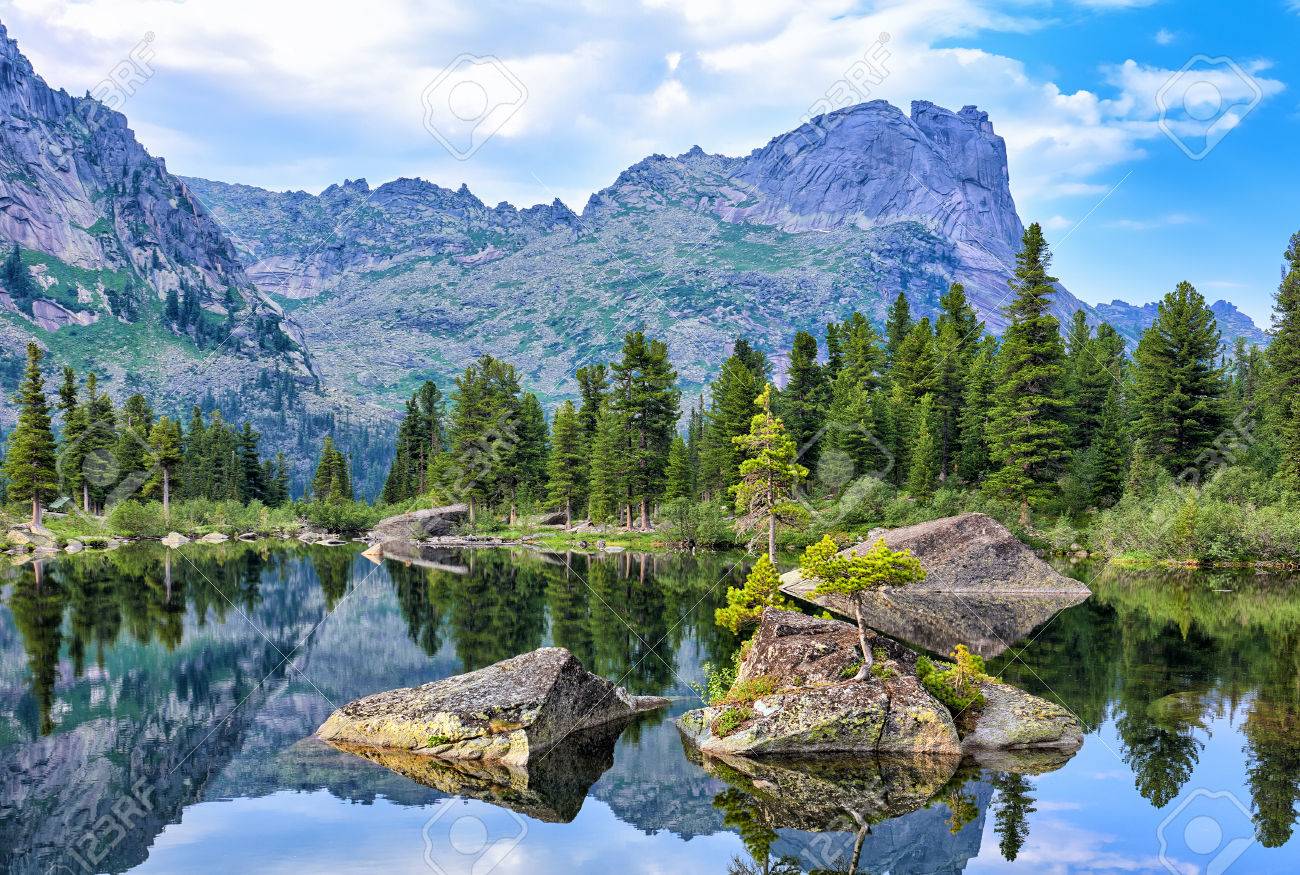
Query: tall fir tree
{"type": "Point", "coordinates": [645, 393]}
{"type": "Point", "coordinates": [165, 456]}
{"type": "Point", "coordinates": [608, 495]}
{"type": "Point", "coordinates": [923, 467]}
{"type": "Point", "coordinates": [977, 390]}
{"type": "Point", "coordinates": [898, 323]}
{"type": "Point", "coordinates": [1284, 377]}
{"type": "Point", "coordinates": [802, 404]}
{"type": "Point", "coordinates": [1178, 382]}
{"type": "Point", "coordinates": [29, 463]}
{"type": "Point", "coordinates": [567, 466]}
{"type": "Point", "coordinates": [1027, 432]}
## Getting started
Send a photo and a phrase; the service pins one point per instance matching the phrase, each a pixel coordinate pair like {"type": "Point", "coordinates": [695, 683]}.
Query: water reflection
{"type": "Point", "coordinates": [203, 672]}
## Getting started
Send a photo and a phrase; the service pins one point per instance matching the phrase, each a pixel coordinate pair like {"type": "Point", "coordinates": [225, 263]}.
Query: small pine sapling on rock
{"type": "Point", "coordinates": [854, 576]}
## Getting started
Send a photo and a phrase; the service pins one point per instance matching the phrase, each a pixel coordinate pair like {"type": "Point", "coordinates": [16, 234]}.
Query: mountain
{"type": "Point", "coordinates": [128, 275]}
{"type": "Point", "coordinates": [410, 280]}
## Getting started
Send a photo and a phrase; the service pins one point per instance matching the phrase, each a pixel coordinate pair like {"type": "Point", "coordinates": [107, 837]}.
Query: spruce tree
{"type": "Point", "coordinates": [528, 468]}
{"type": "Point", "coordinates": [1284, 379]}
{"type": "Point", "coordinates": [252, 477]}
{"type": "Point", "coordinates": [645, 393]}
{"type": "Point", "coordinates": [898, 323]}
{"type": "Point", "coordinates": [593, 387]}
{"type": "Point", "coordinates": [1026, 428]}
{"type": "Point", "coordinates": [680, 480]}
{"type": "Point", "coordinates": [923, 467]}
{"type": "Point", "coordinates": [134, 422]}
{"type": "Point", "coordinates": [802, 404]}
{"type": "Point", "coordinates": [332, 481]}
{"type": "Point", "coordinates": [1178, 383]}
{"type": "Point", "coordinates": [17, 280]}
{"type": "Point", "coordinates": [607, 498]}
{"type": "Point", "coordinates": [29, 464]}
{"type": "Point", "coordinates": [568, 462]}
{"type": "Point", "coordinates": [973, 454]}
{"type": "Point", "coordinates": [731, 407]}
{"type": "Point", "coordinates": [165, 454]}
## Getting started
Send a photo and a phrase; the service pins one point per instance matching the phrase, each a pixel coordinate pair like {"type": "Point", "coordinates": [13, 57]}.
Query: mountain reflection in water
{"type": "Point", "coordinates": [188, 684]}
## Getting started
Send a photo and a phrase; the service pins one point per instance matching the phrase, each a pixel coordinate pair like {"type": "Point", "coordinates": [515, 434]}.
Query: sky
{"type": "Point", "coordinates": [1153, 139]}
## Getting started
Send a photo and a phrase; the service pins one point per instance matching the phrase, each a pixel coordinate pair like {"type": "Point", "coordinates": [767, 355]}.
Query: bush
{"type": "Point", "coordinates": [745, 605]}
{"type": "Point", "coordinates": [730, 720]}
{"type": "Point", "coordinates": [341, 517]}
{"type": "Point", "coordinates": [957, 685]}
{"type": "Point", "coordinates": [689, 524]}
{"type": "Point", "coordinates": [137, 520]}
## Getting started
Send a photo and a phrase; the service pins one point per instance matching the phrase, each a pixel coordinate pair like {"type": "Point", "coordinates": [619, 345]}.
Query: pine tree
{"type": "Point", "coordinates": [973, 455]}
{"type": "Point", "coordinates": [1178, 382]}
{"type": "Point", "coordinates": [567, 463]}
{"type": "Point", "coordinates": [98, 445]}
{"type": "Point", "coordinates": [332, 482]}
{"type": "Point", "coordinates": [173, 307]}
{"type": "Point", "coordinates": [527, 470]}
{"type": "Point", "coordinates": [608, 490]}
{"type": "Point", "coordinates": [768, 476]}
{"type": "Point", "coordinates": [834, 352]}
{"type": "Point", "coordinates": [680, 479]}
{"type": "Point", "coordinates": [593, 387]}
{"type": "Point", "coordinates": [252, 477]}
{"type": "Point", "coordinates": [1026, 429]}
{"type": "Point", "coordinates": [134, 422]}
{"type": "Point", "coordinates": [898, 323]}
{"type": "Point", "coordinates": [196, 472]}
{"type": "Point", "coordinates": [1284, 358]}
{"type": "Point", "coordinates": [165, 454]}
{"type": "Point", "coordinates": [915, 363]}
{"type": "Point", "coordinates": [923, 467]}
{"type": "Point", "coordinates": [802, 404]}
{"type": "Point", "coordinates": [30, 460]}
{"type": "Point", "coordinates": [645, 394]}
{"type": "Point", "coordinates": [745, 604]}
{"type": "Point", "coordinates": [17, 280]}
{"type": "Point", "coordinates": [1011, 813]}
{"type": "Point", "coordinates": [731, 407]}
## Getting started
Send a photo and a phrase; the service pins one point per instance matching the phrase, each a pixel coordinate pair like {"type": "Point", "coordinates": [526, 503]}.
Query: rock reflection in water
{"type": "Point", "coordinates": [551, 788]}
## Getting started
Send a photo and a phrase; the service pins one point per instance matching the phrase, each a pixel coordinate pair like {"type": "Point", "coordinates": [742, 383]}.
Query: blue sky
{"type": "Point", "coordinates": [297, 94]}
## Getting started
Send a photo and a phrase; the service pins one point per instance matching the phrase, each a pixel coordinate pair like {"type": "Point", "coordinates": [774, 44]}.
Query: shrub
{"type": "Point", "coordinates": [697, 524]}
{"type": "Point", "coordinates": [745, 604]}
{"type": "Point", "coordinates": [136, 519]}
{"type": "Point", "coordinates": [730, 720]}
{"type": "Point", "coordinates": [956, 686]}
{"type": "Point", "coordinates": [341, 517]}
{"type": "Point", "coordinates": [748, 691]}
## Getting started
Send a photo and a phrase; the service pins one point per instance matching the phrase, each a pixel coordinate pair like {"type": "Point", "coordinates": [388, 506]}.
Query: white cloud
{"type": "Point", "coordinates": [1165, 37]}
{"type": "Point", "coordinates": [1057, 223]}
{"type": "Point", "coordinates": [606, 85]}
{"type": "Point", "coordinates": [1165, 221]}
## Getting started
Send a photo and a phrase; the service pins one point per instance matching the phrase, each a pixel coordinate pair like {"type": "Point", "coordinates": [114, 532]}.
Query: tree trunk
{"type": "Point", "coordinates": [645, 515]}
{"type": "Point", "coordinates": [868, 659]}
{"type": "Point", "coordinates": [36, 510]}
{"type": "Point", "coordinates": [771, 538]}
{"type": "Point", "coordinates": [1024, 514]}
{"type": "Point", "coordinates": [864, 829]}
{"type": "Point", "coordinates": [513, 513]}
{"type": "Point", "coordinates": [85, 497]}
{"type": "Point", "coordinates": [471, 512]}
{"type": "Point", "coordinates": [568, 514]}
{"type": "Point", "coordinates": [167, 495]}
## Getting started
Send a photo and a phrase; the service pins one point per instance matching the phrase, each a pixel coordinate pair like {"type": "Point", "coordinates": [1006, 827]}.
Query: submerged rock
{"type": "Point", "coordinates": [510, 711]}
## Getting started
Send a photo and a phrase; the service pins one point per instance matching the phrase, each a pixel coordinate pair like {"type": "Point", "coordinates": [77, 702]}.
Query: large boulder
{"type": "Point", "coordinates": [1012, 719]}
{"type": "Point", "coordinates": [970, 553]}
{"type": "Point", "coordinates": [793, 698]}
{"type": "Point", "coordinates": [35, 536]}
{"type": "Point", "coordinates": [430, 522]}
{"type": "Point", "coordinates": [510, 711]}
{"type": "Point", "coordinates": [809, 706]}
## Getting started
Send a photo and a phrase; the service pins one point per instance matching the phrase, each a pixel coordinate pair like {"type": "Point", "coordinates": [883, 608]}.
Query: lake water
{"type": "Point", "coordinates": [156, 712]}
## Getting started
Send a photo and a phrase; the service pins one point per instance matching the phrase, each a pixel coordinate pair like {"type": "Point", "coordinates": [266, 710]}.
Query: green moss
{"type": "Point", "coordinates": [730, 720]}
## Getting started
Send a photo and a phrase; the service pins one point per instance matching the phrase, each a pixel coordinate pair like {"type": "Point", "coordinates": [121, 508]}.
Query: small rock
{"type": "Point", "coordinates": [375, 554]}
{"type": "Point", "coordinates": [614, 548]}
{"type": "Point", "coordinates": [214, 538]}
{"type": "Point", "coordinates": [174, 539]}
{"type": "Point", "coordinates": [74, 546]}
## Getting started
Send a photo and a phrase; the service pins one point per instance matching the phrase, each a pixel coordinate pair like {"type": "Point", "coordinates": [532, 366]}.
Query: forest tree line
{"type": "Point", "coordinates": [1041, 420]}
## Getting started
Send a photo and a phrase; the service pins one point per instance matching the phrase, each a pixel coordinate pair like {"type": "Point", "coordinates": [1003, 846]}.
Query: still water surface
{"type": "Point", "coordinates": [156, 711]}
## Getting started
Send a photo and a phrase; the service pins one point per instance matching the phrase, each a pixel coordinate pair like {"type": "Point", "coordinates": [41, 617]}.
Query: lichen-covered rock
{"type": "Point", "coordinates": [1013, 719]}
{"type": "Point", "coordinates": [813, 708]}
{"type": "Point", "coordinates": [509, 711]}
